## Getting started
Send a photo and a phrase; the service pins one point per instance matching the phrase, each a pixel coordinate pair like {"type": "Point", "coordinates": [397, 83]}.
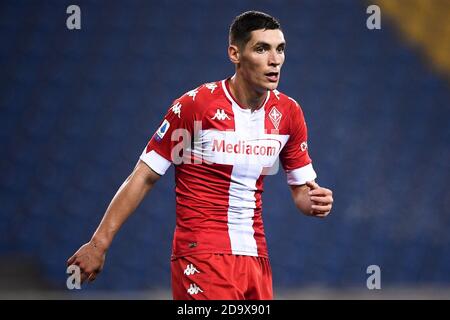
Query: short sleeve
{"type": "Point", "coordinates": [294, 156]}
{"type": "Point", "coordinates": [167, 143]}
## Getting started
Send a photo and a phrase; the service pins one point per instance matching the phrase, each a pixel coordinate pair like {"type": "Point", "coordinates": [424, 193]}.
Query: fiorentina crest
{"type": "Point", "coordinates": [275, 117]}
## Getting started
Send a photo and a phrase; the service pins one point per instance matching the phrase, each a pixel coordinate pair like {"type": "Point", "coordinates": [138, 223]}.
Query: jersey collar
{"type": "Point", "coordinates": [230, 97]}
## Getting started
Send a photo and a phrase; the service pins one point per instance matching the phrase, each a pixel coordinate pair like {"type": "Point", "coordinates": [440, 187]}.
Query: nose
{"type": "Point", "coordinates": [275, 58]}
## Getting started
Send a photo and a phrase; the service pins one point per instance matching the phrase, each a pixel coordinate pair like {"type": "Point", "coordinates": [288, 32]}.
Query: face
{"type": "Point", "coordinates": [260, 61]}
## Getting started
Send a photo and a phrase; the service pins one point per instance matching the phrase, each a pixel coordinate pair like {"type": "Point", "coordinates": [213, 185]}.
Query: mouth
{"type": "Point", "coordinates": [272, 76]}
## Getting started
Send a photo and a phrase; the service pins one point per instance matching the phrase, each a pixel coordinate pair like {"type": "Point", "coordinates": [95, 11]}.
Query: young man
{"type": "Point", "coordinates": [222, 136]}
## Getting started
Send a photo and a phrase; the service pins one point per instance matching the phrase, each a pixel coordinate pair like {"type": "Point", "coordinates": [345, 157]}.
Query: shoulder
{"type": "Point", "coordinates": [198, 99]}
{"type": "Point", "coordinates": [288, 104]}
{"type": "Point", "coordinates": [204, 92]}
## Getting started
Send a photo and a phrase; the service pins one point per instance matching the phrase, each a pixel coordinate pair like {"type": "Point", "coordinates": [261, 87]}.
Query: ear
{"type": "Point", "coordinates": [233, 53]}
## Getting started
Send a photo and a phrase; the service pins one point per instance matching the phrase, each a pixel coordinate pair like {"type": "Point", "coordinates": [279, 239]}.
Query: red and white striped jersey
{"type": "Point", "coordinates": [221, 154]}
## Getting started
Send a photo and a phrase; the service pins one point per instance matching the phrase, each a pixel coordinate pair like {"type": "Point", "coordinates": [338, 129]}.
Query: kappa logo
{"type": "Point", "coordinates": [162, 130]}
{"type": "Point", "coordinates": [176, 108]}
{"type": "Point", "coordinates": [211, 86]}
{"type": "Point", "coordinates": [220, 115]}
{"type": "Point", "coordinates": [190, 270]}
{"type": "Point", "coordinates": [192, 94]}
{"type": "Point", "coordinates": [275, 117]}
{"type": "Point", "coordinates": [194, 289]}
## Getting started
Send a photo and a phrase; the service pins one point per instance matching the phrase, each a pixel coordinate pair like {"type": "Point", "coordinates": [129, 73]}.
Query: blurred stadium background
{"type": "Point", "coordinates": [77, 108]}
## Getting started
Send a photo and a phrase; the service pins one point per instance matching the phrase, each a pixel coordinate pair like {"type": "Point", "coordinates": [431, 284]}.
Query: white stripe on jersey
{"type": "Point", "coordinates": [242, 202]}
{"type": "Point", "coordinates": [241, 209]}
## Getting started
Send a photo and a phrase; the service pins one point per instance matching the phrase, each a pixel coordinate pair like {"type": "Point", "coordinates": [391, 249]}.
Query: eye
{"type": "Point", "coordinates": [280, 49]}
{"type": "Point", "coordinates": [259, 50]}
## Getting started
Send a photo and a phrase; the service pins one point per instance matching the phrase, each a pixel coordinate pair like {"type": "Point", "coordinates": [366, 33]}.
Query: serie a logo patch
{"type": "Point", "coordinates": [162, 130]}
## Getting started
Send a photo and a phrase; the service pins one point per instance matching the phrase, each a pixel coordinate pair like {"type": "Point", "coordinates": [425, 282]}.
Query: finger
{"type": "Point", "coordinates": [322, 215]}
{"type": "Point", "coordinates": [321, 209]}
{"type": "Point", "coordinates": [92, 277]}
{"type": "Point", "coordinates": [312, 185]}
{"type": "Point", "coordinates": [84, 276]}
{"type": "Point", "coordinates": [71, 260]}
{"type": "Point", "coordinates": [320, 191]}
{"type": "Point", "coordinates": [324, 200]}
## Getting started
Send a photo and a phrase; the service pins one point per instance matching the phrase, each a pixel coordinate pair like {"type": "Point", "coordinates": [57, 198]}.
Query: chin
{"type": "Point", "coordinates": [262, 87]}
{"type": "Point", "coordinates": [272, 86]}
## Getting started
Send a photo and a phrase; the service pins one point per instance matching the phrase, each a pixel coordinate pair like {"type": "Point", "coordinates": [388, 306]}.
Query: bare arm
{"type": "Point", "coordinates": [91, 256]}
{"type": "Point", "coordinates": [312, 200]}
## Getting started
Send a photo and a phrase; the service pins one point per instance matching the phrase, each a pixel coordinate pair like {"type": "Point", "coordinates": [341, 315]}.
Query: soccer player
{"type": "Point", "coordinates": [222, 138]}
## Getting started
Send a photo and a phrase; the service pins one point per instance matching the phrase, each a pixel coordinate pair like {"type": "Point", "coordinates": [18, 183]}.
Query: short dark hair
{"type": "Point", "coordinates": [246, 22]}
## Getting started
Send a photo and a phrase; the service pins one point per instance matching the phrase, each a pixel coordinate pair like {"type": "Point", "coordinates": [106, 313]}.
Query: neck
{"type": "Point", "coordinates": [247, 96]}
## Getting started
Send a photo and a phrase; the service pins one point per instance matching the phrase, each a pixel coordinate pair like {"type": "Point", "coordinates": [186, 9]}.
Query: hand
{"type": "Point", "coordinates": [90, 258]}
{"type": "Point", "coordinates": [321, 199]}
